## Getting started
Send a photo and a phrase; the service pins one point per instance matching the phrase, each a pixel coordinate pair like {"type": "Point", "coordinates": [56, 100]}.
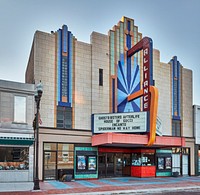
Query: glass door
{"type": "Point", "coordinates": [126, 170]}
{"type": "Point", "coordinates": [50, 166]}
{"type": "Point", "coordinates": [110, 165]}
{"type": "Point", "coordinates": [102, 165]}
{"type": "Point", "coordinates": [118, 164]}
{"type": "Point", "coordinates": [176, 163]}
{"type": "Point", "coordinates": [185, 168]}
{"type": "Point", "coordinates": [114, 164]}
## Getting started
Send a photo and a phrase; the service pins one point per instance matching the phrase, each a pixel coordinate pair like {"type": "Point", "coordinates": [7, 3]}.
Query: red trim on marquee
{"type": "Point", "coordinates": [135, 139]}
{"type": "Point", "coordinates": [115, 150]}
{"type": "Point", "coordinates": [124, 150]}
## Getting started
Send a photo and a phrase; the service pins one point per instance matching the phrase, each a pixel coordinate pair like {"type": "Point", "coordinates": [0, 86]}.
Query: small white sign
{"type": "Point", "coordinates": [120, 122]}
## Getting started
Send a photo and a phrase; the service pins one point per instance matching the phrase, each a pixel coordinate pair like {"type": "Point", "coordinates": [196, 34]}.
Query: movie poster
{"type": "Point", "coordinates": [81, 160]}
{"type": "Point", "coordinates": [92, 163]}
{"type": "Point", "coordinates": [160, 163]}
{"type": "Point", "coordinates": [168, 163]}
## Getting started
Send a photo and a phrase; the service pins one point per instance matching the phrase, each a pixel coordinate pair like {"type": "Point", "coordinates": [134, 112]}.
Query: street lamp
{"type": "Point", "coordinates": [38, 95]}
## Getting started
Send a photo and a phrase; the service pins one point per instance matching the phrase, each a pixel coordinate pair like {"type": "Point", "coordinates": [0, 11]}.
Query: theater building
{"type": "Point", "coordinates": [111, 107]}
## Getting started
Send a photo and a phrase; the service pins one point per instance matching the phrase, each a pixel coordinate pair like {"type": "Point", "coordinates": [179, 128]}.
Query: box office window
{"type": "Point", "coordinates": [136, 160]}
{"type": "Point", "coordinates": [143, 159]}
{"type": "Point", "coordinates": [14, 158]}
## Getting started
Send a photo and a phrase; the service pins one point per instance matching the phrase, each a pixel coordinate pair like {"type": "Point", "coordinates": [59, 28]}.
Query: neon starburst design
{"type": "Point", "coordinates": [128, 82]}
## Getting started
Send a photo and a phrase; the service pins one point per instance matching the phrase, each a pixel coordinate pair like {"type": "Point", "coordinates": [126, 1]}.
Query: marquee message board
{"type": "Point", "coordinates": [120, 122]}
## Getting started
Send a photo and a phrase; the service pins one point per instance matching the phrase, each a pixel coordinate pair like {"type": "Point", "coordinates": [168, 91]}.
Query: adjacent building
{"type": "Point", "coordinates": [196, 114]}
{"type": "Point", "coordinates": [16, 132]}
{"type": "Point", "coordinates": [89, 127]}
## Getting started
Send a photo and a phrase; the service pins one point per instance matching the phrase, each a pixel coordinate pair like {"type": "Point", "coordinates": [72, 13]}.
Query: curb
{"type": "Point", "coordinates": [141, 191]}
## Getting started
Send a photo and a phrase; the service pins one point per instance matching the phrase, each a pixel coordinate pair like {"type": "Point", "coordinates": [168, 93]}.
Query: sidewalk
{"type": "Point", "coordinates": [15, 186]}
{"type": "Point", "coordinates": [106, 186]}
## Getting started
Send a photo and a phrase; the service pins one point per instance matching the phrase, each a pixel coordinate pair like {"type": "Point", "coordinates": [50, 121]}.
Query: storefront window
{"type": "Point", "coordinates": [65, 160]}
{"type": "Point", "coordinates": [68, 147]}
{"type": "Point", "coordinates": [64, 153]}
{"type": "Point", "coordinates": [14, 158]}
{"type": "Point", "coordinates": [50, 146]}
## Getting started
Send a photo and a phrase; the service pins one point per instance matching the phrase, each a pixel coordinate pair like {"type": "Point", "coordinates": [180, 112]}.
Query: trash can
{"type": "Point", "coordinates": [175, 174]}
{"type": "Point", "coordinates": [67, 177]}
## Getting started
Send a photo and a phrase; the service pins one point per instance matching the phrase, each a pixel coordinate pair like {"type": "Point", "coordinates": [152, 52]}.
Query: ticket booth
{"type": "Point", "coordinates": [143, 163]}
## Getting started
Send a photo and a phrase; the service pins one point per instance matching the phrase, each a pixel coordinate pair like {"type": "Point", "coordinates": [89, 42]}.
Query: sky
{"type": "Point", "coordinates": [173, 25]}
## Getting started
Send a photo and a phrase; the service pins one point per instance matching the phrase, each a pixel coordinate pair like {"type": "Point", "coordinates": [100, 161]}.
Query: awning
{"type": "Point", "coordinates": [126, 140]}
{"type": "Point", "coordinates": [16, 141]}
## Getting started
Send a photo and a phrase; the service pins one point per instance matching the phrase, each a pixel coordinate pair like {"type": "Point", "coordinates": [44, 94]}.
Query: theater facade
{"type": "Point", "coordinates": [110, 107]}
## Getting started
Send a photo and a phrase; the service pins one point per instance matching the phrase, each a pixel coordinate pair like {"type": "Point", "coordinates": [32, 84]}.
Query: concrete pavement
{"type": "Point", "coordinates": [16, 186]}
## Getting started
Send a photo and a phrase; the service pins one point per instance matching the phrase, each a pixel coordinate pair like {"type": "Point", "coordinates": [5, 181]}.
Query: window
{"type": "Point", "coordinates": [65, 156]}
{"type": "Point", "coordinates": [136, 159]}
{"type": "Point", "coordinates": [100, 77]}
{"type": "Point", "coordinates": [147, 159]}
{"type": "Point", "coordinates": [59, 153]}
{"type": "Point", "coordinates": [176, 128]}
{"type": "Point", "coordinates": [143, 159]}
{"type": "Point", "coordinates": [64, 117]}
{"type": "Point", "coordinates": [14, 158]}
{"type": "Point", "coordinates": [20, 109]}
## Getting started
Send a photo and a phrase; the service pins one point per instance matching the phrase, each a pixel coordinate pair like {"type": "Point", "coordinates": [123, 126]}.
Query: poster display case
{"type": "Point", "coordinates": [163, 162]}
{"type": "Point", "coordinates": [86, 163]}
